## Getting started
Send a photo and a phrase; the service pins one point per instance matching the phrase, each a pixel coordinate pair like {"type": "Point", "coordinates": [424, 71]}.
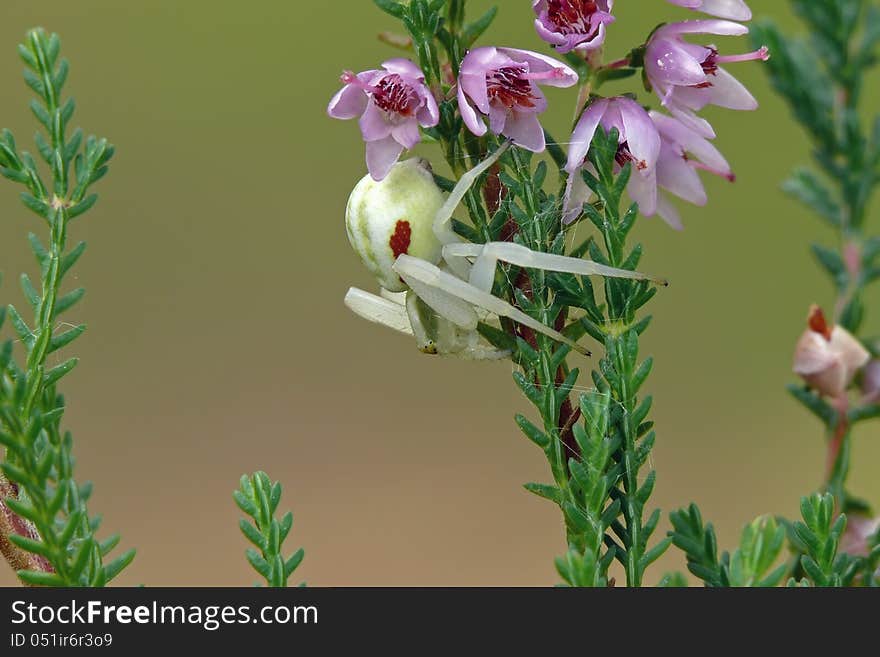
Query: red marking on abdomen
{"type": "Point", "coordinates": [401, 239]}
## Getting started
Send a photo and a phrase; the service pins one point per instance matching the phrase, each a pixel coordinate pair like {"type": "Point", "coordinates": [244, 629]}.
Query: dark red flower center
{"type": "Point", "coordinates": [624, 155]}
{"type": "Point", "coordinates": [710, 67]}
{"type": "Point", "coordinates": [395, 96]}
{"type": "Point", "coordinates": [510, 87]}
{"type": "Point", "coordinates": [571, 16]}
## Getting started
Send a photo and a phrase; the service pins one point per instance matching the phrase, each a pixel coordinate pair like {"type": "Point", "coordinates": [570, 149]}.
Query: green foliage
{"type": "Point", "coordinates": [259, 498]}
{"type": "Point", "coordinates": [750, 564]}
{"type": "Point", "coordinates": [39, 460]}
{"type": "Point", "coordinates": [822, 76]}
{"type": "Point", "coordinates": [596, 464]}
{"type": "Point", "coordinates": [435, 24]}
{"type": "Point", "coordinates": [585, 503]}
{"type": "Point", "coordinates": [820, 534]}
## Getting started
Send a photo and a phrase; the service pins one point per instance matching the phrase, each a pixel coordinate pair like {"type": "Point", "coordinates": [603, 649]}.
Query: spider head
{"type": "Point", "coordinates": [429, 348]}
{"type": "Point", "coordinates": [394, 217]}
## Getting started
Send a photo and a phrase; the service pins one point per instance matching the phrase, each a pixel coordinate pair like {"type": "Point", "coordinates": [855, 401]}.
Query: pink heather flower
{"type": "Point", "coordinates": [392, 104]}
{"type": "Point", "coordinates": [735, 10]}
{"type": "Point", "coordinates": [502, 84]}
{"type": "Point", "coordinates": [828, 358]}
{"type": "Point", "coordinates": [688, 77]}
{"type": "Point", "coordinates": [639, 143]}
{"type": "Point", "coordinates": [682, 154]}
{"type": "Point", "coordinates": [573, 24]}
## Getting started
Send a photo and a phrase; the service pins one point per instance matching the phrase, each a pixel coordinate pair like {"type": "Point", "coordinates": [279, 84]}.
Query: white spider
{"type": "Point", "coordinates": [401, 229]}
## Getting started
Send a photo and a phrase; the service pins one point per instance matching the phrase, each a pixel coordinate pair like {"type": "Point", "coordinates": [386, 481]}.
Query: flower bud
{"type": "Point", "coordinates": [856, 540]}
{"type": "Point", "coordinates": [828, 358]}
{"type": "Point", "coordinates": [393, 217]}
{"type": "Point", "coordinates": [871, 382]}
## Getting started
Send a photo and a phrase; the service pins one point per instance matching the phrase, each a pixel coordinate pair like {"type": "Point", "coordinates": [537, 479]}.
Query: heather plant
{"type": "Point", "coordinates": [504, 243]}
{"type": "Point", "coordinates": [514, 279]}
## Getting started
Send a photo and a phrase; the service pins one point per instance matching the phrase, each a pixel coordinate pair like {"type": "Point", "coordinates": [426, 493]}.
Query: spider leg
{"type": "Point", "coordinates": [443, 218]}
{"type": "Point", "coordinates": [378, 310]}
{"type": "Point", "coordinates": [482, 273]}
{"type": "Point", "coordinates": [435, 286]}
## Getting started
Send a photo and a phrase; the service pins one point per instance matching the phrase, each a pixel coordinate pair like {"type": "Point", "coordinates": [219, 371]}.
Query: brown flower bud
{"type": "Point", "coordinates": [828, 358]}
{"type": "Point", "coordinates": [856, 540]}
{"type": "Point", "coordinates": [871, 382]}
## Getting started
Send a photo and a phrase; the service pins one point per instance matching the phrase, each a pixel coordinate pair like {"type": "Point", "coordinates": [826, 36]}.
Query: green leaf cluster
{"type": "Point", "coordinates": [438, 31]}
{"type": "Point", "coordinates": [258, 498]}
{"type": "Point", "coordinates": [750, 565]}
{"type": "Point", "coordinates": [814, 542]}
{"type": "Point", "coordinates": [38, 452]}
{"type": "Point", "coordinates": [599, 484]}
{"type": "Point", "coordinates": [822, 77]}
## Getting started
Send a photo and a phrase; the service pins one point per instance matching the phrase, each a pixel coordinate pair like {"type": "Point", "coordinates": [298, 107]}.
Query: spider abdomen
{"type": "Point", "coordinates": [395, 217]}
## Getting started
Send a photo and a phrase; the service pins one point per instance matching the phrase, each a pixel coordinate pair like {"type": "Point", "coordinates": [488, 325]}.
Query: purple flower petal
{"type": "Point", "coordinates": [669, 213]}
{"type": "Point", "coordinates": [538, 63]}
{"type": "Point", "coordinates": [405, 68]}
{"type": "Point", "coordinates": [526, 131]}
{"type": "Point", "coordinates": [374, 124]}
{"type": "Point", "coordinates": [381, 156]}
{"type": "Point", "coordinates": [667, 63]}
{"type": "Point", "coordinates": [391, 104]}
{"type": "Point", "coordinates": [736, 10]}
{"type": "Point", "coordinates": [729, 92]}
{"type": "Point", "coordinates": [572, 24]}
{"type": "Point", "coordinates": [643, 190]}
{"type": "Point", "coordinates": [583, 134]}
{"type": "Point", "coordinates": [470, 117]}
{"type": "Point", "coordinates": [640, 133]}
{"type": "Point", "coordinates": [502, 84]}
{"type": "Point", "coordinates": [406, 134]}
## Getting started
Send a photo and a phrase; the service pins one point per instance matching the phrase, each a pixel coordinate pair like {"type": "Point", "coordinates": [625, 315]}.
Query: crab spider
{"type": "Point", "coordinates": [435, 286]}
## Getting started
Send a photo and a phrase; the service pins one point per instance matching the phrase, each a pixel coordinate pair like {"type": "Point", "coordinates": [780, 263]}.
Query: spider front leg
{"type": "Point", "coordinates": [379, 310]}
{"type": "Point", "coordinates": [443, 218]}
{"type": "Point", "coordinates": [482, 274]}
{"type": "Point", "coordinates": [455, 299]}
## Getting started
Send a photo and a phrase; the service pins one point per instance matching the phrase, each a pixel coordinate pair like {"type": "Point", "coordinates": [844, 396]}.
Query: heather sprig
{"type": "Point", "coordinates": [47, 532]}
{"type": "Point", "coordinates": [822, 77]}
{"type": "Point", "coordinates": [258, 498]}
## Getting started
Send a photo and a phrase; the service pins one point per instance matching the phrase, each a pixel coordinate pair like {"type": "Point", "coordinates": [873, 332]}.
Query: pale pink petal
{"type": "Point", "coordinates": [429, 115]}
{"type": "Point", "coordinates": [407, 133]}
{"type": "Point", "coordinates": [525, 130]}
{"type": "Point", "coordinates": [381, 156]}
{"type": "Point", "coordinates": [729, 92]}
{"type": "Point", "coordinates": [669, 213]}
{"type": "Point", "coordinates": [539, 63]}
{"type": "Point", "coordinates": [577, 193]}
{"type": "Point", "coordinates": [374, 124]}
{"type": "Point", "coordinates": [641, 134]}
{"type": "Point", "coordinates": [349, 103]}
{"type": "Point", "coordinates": [470, 117]}
{"type": "Point", "coordinates": [583, 134]}
{"type": "Point", "coordinates": [668, 63]}
{"type": "Point", "coordinates": [643, 190]}
{"type": "Point", "coordinates": [404, 67]}
{"type": "Point", "coordinates": [677, 176]}
{"type": "Point", "coordinates": [706, 26]}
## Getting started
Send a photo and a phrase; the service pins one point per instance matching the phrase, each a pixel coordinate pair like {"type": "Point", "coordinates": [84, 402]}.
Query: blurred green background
{"type": "Point", "coordinates": [218, 342]}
